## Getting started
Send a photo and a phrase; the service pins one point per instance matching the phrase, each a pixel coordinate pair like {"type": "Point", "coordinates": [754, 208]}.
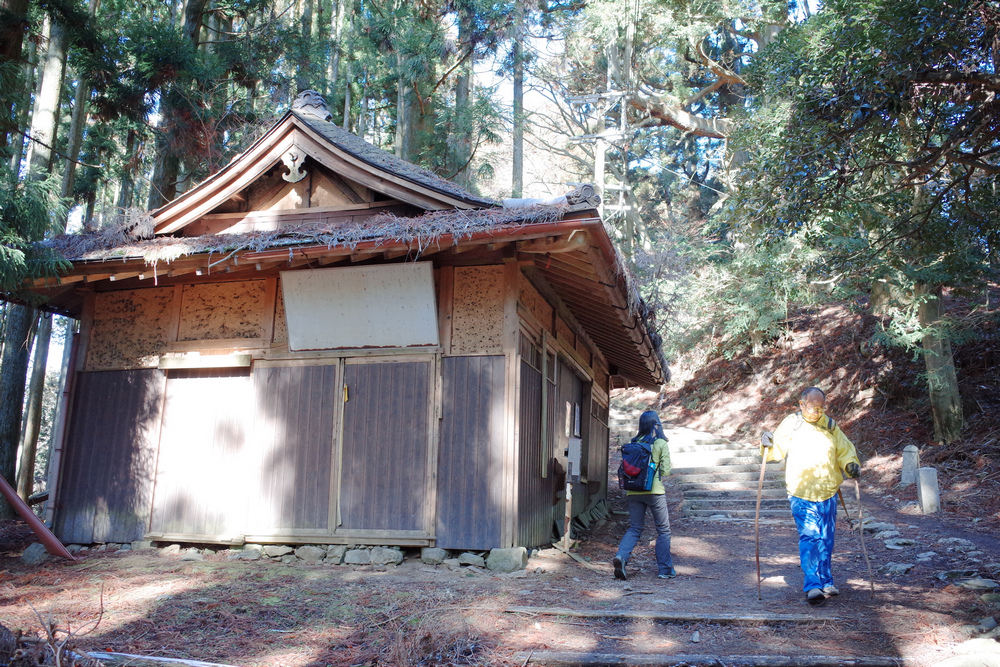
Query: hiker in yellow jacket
{"type": "Point", "coordinates": [816, 453]}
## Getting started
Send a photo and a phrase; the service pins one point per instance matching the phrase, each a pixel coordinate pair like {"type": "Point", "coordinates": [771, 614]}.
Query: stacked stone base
{"type": "Point", "coordinates": [495, 560]}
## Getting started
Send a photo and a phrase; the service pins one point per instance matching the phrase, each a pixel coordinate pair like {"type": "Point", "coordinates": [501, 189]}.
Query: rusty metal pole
{"type": "Point", "coordinates": [51, 542]}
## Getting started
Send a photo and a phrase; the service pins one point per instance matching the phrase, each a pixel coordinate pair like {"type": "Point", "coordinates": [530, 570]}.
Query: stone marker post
{"type": "Point", "coordinates": [911, 461]}
{"type": "Point", "coordinates": [927, 490]}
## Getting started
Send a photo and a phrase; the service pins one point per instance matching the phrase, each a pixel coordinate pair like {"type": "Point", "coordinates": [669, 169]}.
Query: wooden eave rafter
{"type": "Point", "coordinates": [292, 134]}
{"type": "Point", "coordinates": [582, 277]}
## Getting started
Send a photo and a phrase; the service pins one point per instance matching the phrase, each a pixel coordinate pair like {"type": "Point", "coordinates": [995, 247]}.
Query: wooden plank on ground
{"type": "Point", "coordinates": [675, 616]}
{"type": "Point", "coordinates": [570, 659]}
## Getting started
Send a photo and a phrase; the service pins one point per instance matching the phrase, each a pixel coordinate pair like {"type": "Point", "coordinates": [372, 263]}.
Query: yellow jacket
{"type": "Point", "coordinates": [661, 457]}
{"type": "Point", "coordinates": [816, 456]}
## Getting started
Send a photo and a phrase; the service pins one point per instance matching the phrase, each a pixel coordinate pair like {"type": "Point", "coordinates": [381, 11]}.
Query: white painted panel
{"type": "Point", "coordinates": [361, 306]}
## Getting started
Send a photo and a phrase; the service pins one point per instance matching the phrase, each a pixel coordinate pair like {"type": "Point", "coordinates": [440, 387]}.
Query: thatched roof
{"type": "Point", "coordinates": [116, 242]}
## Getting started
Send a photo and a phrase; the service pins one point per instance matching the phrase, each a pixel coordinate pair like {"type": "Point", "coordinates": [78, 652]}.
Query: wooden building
{"type": "Point", "coordinates": [322, 343]}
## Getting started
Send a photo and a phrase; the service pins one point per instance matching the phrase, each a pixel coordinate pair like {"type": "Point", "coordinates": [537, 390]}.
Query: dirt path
{"type": "Point", "coordinates": [267, 613]}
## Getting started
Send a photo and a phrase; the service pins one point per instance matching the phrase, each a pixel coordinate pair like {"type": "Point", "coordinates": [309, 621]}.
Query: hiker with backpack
{"type": "Point", "coordinates": [816, 452]}
{"type": "Point", "coordinates": [644, 460]}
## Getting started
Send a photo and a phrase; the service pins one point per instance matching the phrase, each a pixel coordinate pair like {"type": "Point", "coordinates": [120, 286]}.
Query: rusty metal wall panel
{"type": "Point", "coordinates": [106, 477]}
{"type": "Point", "coordinates": [384, 478]}
{"type": "Point", "coordinates": [569, 390]}
{"type": "Point", "coordinates": [470, 457]}
{"type": "Point", "coordinates": [291, 473]}
{"type": "Point", "coordinates": [206, 423]}
{"type": "Point", "coordinates": [534, 508]}
{"type": "Point", "coordinates": [597, 470]}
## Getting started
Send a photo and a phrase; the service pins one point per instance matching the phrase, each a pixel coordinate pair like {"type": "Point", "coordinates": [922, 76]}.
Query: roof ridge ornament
{"type": "Point", "coordinates": [311, 103]}
{"type": "Point", "coordinates": [581, 197]}
{"type": "Point", "coordinates": [583, 194]}
{"type": "Point", "coordinates": [293, 159]}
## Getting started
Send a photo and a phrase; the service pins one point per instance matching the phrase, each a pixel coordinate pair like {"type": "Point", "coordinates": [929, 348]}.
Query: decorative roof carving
{"type": "Point", "coordinates": [293, 160]}
{"type": "Point", "coordinates": [583, 194]}
{"type": "Point", "coordinates": [312, 104]}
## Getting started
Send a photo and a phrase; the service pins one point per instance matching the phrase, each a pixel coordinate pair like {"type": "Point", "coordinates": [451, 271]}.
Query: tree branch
{"type": "Point", "coordinates": [981, 79]}
{"type": "Point", "coordinates": [671, 114]}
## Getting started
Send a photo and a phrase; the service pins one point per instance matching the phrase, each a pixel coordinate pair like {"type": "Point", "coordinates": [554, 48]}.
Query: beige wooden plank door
{"type": "Point", "coordinates": [205, 428]}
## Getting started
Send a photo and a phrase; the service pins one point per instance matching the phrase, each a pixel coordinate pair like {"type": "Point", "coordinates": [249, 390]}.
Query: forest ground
{"type": "Point", "coordinates": [267, 613]}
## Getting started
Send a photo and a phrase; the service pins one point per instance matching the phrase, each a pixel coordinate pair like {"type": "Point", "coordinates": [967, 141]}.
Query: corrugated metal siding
{"type": "Point", "coordinates": [471, 453]}
{"type": "Point", "coordinates": [106, 477]}
{"type": "Point", "coordinates": [292, 459]}
{"type": "Point", "coordinates": [383, 485]}
{"type": "Point", "coordinates": [597, 470]}
{"type": "Point", "coordinates": [534, 491]}
{"type": "Point", "coordinates": [206, 422]}
{"type": "Point", "coordinates": [569, 391]}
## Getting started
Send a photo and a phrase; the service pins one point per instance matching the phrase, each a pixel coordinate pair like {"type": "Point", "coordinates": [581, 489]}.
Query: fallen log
{"type": "Point", "coordinates": [674, 616]}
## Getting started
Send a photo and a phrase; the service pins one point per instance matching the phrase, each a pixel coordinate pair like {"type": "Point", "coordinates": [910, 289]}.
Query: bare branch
{"type": "Point", "coordinates": [981, 79]}
{"type": "Point", "coordinates": [670, 113]}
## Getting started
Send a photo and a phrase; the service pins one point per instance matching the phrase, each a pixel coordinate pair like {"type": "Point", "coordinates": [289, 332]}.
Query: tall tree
{"type": "Point", "coordinates": [20, 319]}
{"type": "Point", "coordinates": [885, 147]}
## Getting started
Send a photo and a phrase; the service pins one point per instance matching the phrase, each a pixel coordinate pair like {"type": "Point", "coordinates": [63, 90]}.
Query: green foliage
{"type": "Point", "coordinates": [29, 210]}
{"type": "Point", "coordinates": [857, 149]}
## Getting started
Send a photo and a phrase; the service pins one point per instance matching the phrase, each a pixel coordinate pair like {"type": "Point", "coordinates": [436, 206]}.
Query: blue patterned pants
{"type": "Point", "coordinates": [815, 522]}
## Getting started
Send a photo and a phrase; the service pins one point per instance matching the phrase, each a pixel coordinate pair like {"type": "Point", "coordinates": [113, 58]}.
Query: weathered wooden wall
{"type": "Point", "coordinates": [477, 312]}
{"type": "Point", "coordinates": [130, 329]}
{"type": "Point", "coordinates": [268, 441]}
{"type": "Point", "coordinates": [291, 468]}
{"type": "Point", "coordinates": [223, 310]}
{"type": "Point", "coordinates": [107, 473]}
{"type": "Point", "coordinates": [535, 478]}
{"type": "Point", "coordinates": [385, 482]}
{"type": "Point", "coordinates": [470, 457]}
{"type": "Point", "coordinates": [597, 464]}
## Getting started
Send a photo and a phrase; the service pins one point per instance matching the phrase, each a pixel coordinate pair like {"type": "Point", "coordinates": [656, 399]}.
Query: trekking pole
{"type": "Point", "coordinates": [861, 533]}
{"type": "Point", "coordinates": [844, 505]}
{"type": "Point", "coordinates": [765, 437]}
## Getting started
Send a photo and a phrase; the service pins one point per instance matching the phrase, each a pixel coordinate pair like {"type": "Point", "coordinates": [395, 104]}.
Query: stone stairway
{"type": "Point", "coordinates": [717, 477]}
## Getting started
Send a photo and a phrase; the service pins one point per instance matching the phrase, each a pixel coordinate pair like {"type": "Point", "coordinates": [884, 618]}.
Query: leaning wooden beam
{"type": "Point", "coordinates": [674, 616]}
{"type": "Point", "coordinates": [568, 659]}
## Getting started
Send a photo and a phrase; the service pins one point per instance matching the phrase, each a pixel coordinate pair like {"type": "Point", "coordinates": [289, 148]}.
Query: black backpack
{"type": "Point", "coordinates": [637, 470]}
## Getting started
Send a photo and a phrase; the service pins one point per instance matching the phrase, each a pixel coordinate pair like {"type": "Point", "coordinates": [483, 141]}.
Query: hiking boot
{"type": "Point", "coordinates": [830, 591]}
{"type": "Point", "coordinates": [815, 597]}
{"type": "Point", "coordinates": [619, 568]}
{"type": "Point", "coordinates": [669, 575]}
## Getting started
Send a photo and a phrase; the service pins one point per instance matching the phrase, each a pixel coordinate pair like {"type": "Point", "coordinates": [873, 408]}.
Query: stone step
{"type": "Point", "coordinates": [739, 513]}
{"type": "Point", "coordinates": [728, 504]}
{"type": "Point", "coordinates": [737, 493]}
{"type": "Point", "coordinates": [770, 475]}
{"type": "Point", "coordinates": [718, 487]}
{"type": "Point", "coordinates": [724, 504]}
{"type": "Point", "coordinates": [748, 515]}
{"type": "Point", "coordinates": [727, 447]}
{"type": "Point", "coordinates": [712, 459]}
{"type": "Point", "coordinates": [724, 469]}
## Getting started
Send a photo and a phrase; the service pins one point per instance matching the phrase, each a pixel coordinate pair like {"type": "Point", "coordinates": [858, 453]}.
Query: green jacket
{"type": "Point", "coordinates": [661, 457]}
